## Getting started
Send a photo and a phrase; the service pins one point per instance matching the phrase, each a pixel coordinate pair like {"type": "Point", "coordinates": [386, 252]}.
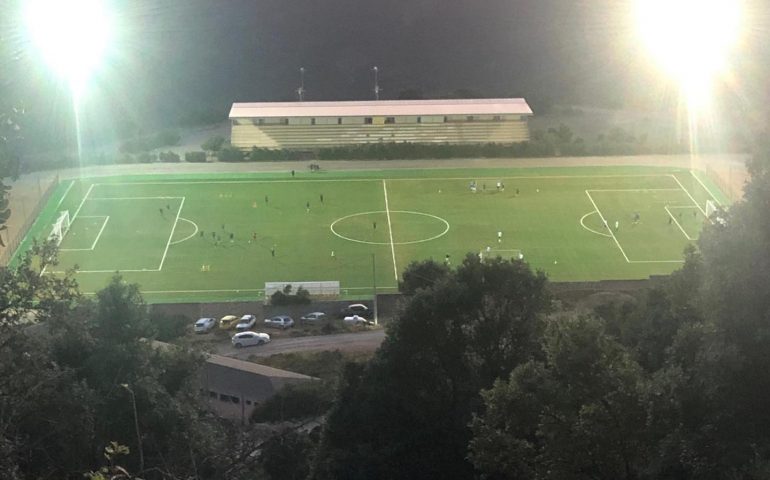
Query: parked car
{"type": "Point", "coordinates": [227, 322]}
{"type": "Point", "coordinates": [204, 325]}
{"type": "Point", "coordinates": [279, 321]}
{"type": "Point", "coordinates": [313, 317]}
{"type": "Point", "coordinates": [246, 322]}
{"type": "Point", "coordinates": [357, 320]}
{"type": "Point", "coordinates": [247, 339]}
{"type": "Point", "coordinates": [355, 309]}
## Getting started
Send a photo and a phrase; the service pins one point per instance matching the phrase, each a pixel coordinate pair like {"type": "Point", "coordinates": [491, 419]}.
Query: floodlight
{"type": "Point", "coordinates": [71, 35]}
{"type": "Point", "coordinates": [691, 38]}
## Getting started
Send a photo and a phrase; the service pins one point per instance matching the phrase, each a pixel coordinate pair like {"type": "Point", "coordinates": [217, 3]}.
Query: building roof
{"type": "Point", "coordinates": [384, 108]}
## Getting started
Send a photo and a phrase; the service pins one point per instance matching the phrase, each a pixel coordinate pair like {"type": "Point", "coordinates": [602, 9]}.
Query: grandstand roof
{"type": "Point", "coordinates": [384, 108]}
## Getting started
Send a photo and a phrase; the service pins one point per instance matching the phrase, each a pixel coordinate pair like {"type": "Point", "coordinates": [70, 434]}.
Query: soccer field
{"type": "Point", "coordinates": [215, 237]}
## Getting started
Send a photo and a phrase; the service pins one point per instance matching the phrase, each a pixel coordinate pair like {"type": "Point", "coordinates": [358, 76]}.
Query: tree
{"type": "Point", "coordinates": [420, 275]}
{"type": "Point", "coordinates": [579, 413]}
{"type": "Point", "coordinates": [213, 143]}
{"type": "Point", "coordinates": [405, 414]}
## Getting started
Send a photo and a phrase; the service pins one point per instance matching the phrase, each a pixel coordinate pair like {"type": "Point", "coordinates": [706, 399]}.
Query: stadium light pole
{"type": "Point", "coordinates": [301, 89]}
{"type": "Point", "coordinates": [377, 88]}
{"type": "Point", "coordinates": [136, 426]}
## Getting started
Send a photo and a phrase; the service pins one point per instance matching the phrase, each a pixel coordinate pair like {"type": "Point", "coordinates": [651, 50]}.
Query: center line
{"type": "Point", "coordinates": [390, 230]}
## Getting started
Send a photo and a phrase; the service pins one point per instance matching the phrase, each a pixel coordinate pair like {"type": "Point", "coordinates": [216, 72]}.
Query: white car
{"type": "Point", "coordinates": [246, 322]}
{"type": "Point", "coordinates": [313, 317]}
{"type": "Point", "coordinates": [279, 321]}
{"type": "Point", "coordinates": [247, 339]}
{"type": "Point", "coordinates": [204, 325]}
{"type": "Point", "coordinates": [357, 320]}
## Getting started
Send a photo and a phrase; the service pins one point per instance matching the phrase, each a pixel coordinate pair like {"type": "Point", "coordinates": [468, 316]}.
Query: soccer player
{"type": "Point", "coordinates": [322, 198]}
{"type": "Point", "coordinates": [499, 237]}
{"type": "Point", "coordinates": [499, 183]}
{"type": "Point", "coordinates": [374, 225]}
{"type": "Point", "coordinates": [161, 211]}
{"type": "Point", "coordinates": [253, 236]}
{"type": "Point", "coordinates": [201, 233]}
{"type": "Point", "coordinates": [272, 251]}
{"type": "Point", "coordinates": [446, 259]}
{"type": "Point", "coordinates": [502, 187]}
{"type": "Point", "coordinates": [636, 217]}
{"type": "Point", "coordinates": [517, 192]}
{"type": "Point", "coordinates": [617, 224]}
{"type": "Point", "coordinates": [292, 174]}
{"type": "Point", "coordinates": [670, 219]}
{"type": "Point", "coordinates": [232, 238]}
{"type": "Point", "coordinates": [307, 207]}
{"type": "Point", "coordinates": [266, 200]}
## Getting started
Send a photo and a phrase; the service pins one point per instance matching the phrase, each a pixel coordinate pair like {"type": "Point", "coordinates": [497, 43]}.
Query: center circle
{"type": "Point", "coordinates": [370, 225]}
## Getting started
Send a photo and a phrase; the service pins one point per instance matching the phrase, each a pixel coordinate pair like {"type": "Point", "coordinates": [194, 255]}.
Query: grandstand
{"type": "Point", "coordinates": [303, 125]}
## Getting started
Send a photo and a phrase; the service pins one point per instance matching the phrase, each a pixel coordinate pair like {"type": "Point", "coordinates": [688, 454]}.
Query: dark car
{"type": "Point", "coordinates": [355, 309]}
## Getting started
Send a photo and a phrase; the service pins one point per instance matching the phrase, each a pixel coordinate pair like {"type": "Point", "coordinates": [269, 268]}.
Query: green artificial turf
{"type": "Point", "coordinates": [171, 234]}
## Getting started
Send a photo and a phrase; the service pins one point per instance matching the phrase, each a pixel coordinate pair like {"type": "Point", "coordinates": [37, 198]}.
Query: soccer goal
{"type": "Point", "coordinates": [60, 228]}
{"type": "Point", "coordinates": [711, 208]}
{"type": "Point", "coordinates": [513, 254]}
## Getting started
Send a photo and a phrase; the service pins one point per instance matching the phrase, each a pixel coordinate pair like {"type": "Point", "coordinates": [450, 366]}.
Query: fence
{"type": "Point", "coordinates": [31, 216]}
{"type": "Point", "coordinates": [328, 288]}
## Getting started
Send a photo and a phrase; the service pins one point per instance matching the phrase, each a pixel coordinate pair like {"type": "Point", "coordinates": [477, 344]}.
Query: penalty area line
{"type": "Point", "coordinates": [173, 229]}
{"type": "Point", "coordinates": [390, 230]}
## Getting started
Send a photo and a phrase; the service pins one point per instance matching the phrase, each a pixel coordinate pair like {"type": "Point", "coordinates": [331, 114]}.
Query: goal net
{"type": "Point", "coordinates": [513, 254]}
{"type": "Point", "coordinates": [60, 227]}
{"type": "Point", "coordinates": [711, 208]}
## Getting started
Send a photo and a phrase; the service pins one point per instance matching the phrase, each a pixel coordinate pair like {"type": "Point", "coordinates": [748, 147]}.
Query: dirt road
{"type": "Point", "coordinates": [349, 342]}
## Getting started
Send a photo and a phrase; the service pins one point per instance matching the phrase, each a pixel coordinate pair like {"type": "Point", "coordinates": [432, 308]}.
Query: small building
{"type": "Point", "coordinates": [235, 387]}
{"type": "Point", "coordinates": [311, 125]}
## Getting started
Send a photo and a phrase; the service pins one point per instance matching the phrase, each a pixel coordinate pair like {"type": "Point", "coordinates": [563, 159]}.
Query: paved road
{"type": "Point", "coordinates": [359, 342]}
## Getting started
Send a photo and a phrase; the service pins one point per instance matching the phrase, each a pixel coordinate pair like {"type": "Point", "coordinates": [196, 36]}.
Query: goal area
{"type": "Point", "coordinates": [60, 227]}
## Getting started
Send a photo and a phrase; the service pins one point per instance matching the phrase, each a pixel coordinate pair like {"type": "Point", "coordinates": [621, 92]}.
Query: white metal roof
{"type": "Point", "coordinates": [383, 108]}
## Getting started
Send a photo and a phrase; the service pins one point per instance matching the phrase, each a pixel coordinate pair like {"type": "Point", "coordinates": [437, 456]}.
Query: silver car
{"type": "Point", "coordinates": [204, 325]}
{"type": "Point", "coordinates": [247, 339]}
{"type": "Point", "coordinates": [279, 321]}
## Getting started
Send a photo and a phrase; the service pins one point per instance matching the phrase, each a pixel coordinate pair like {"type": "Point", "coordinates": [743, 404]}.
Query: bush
{"type": "Point", "coordinates": [285, 297]}
{"type": "Point", "coordinates": [146, 157]}
{"type": "Point", "coordinates": [195, 157]}
{"type": "Point", "coordinates": [169, 157]}
{"type": "Point", "coordinates": [296, 401]}
{"type": "Point", "coordinates": [230, 154]}
{"type": "Point", "coordinates": [169, 327]}
{"type": "Point", "coordinates": [213, 143]}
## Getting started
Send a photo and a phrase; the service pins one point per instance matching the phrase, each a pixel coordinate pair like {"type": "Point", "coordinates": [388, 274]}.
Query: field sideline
{"type": "Point", "coordinates": [222, 236]}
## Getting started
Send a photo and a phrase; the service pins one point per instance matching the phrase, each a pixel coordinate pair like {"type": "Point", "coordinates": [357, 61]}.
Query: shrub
{"type": "Point", "coordinates": [230, 154]}
{"type": "Point", "coordinates": [285, 297]}
{"type": "Point", "coordinates": [169, 157]}
{"type": "Point", "coordinates": [146, 157]}
{"type": "Point", "coordinates": [213, 143]}
{"type": "Point", "coordinates": [296, 401]}
{"type": "Point", "coordinates": [169, 327]}
{"type": "Point", "coordinates": [195, 157]}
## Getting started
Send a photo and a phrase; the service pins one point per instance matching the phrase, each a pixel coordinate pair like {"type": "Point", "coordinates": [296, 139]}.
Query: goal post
{"type": "Point", "coordinates": [711, 208]}
{"type": "Point", "coordinates": [512, 254]}
{"type": "Point", "coordinates": [60, 227]}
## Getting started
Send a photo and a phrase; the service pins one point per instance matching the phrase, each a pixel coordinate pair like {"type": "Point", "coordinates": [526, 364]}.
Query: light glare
{"type": "Point", "coordinates": [691, 38]}
{"type": "Point", "coordinates": [71, 35]}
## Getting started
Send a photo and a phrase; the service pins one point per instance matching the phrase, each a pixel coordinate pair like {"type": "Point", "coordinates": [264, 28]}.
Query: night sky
{"type": "Point", "coordinates": [176, 59]}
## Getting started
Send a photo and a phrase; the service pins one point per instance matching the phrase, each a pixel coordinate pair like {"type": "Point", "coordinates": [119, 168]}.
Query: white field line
{"type": "Point", "coordinates": [99, 235]}
{"type": "Point", "coordinates": [688, 194]}
{"type": "Point", "coordinates": [61, 200]}
{"type": "Point", "coordinates": [72, 220]}
{"type": "Point", "coordinates": [231, 290]}
{"type": "Point", "coordinates": [93, 245]}
{"type": "Point", "coordinates": [582, 224]}
{"type": "Point", "coordinates": [82, 202]}
{"type": "Point", "coordinates": [692, 172]}
{"type": "Point", "coordinates": [607, 225]}
{"type": "Point", "coordinates": [634, 190]}
{"type": "Point", "coordinates": [678, 224]}
{"type": "Point", "coordinates": [390, 230]}
{"type": "Point", "coordinates": [173, 229]}
{"type": "Point", "coordinates": [135, 198]}
{"type": "Point", "coordinates": [114, 270]}
{"type": "Point", "coordinates": [189, 236]}
{"type": "Point", "coordinates": [515, 177]}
